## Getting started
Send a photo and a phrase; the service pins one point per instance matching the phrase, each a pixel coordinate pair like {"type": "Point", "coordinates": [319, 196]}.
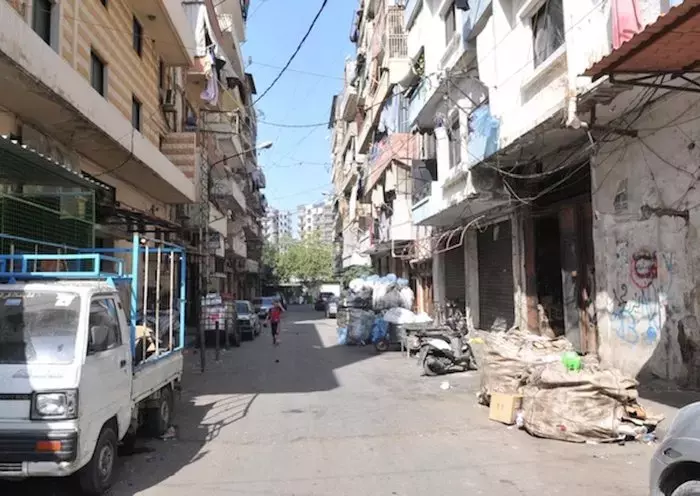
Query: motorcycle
{"type": "Point", "coordinates": [443, 352]}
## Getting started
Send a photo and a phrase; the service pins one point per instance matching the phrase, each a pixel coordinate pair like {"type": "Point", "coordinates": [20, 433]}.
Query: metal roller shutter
{"type": "Point", "coordinates": [495, 251]}
{"type": "Point", "coordinates": [455, 285]}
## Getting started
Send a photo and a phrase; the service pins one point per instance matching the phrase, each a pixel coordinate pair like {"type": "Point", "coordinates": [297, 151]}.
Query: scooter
{"type": "Point", "coordinates": [440, 354]}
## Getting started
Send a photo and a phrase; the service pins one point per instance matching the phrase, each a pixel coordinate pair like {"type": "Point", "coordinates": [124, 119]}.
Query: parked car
{"type": "Point", "coordinates": [247, 321]}
{"type": "Point", "coordinates": [332, 308]}
{"type": "Point", "coordinates": [263, 306]}
{"type": "Point", "coordinates": [320, 304]}
{"type": "Point", "coordinates": [674, 466]}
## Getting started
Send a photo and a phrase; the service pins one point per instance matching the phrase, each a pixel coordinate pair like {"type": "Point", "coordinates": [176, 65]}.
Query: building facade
{"type": "Point", "coordinates": [277, 225]}
{"type": "Point", "coordinates": [107, 126]}
{"type": "Point", "coordinates": [549, 193]}
{"type": "Point", "coordinates": [316, 218]}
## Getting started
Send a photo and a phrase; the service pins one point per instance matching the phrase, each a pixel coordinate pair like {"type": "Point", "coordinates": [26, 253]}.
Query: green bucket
{"type": "Point", "coordinates": [572, 361]}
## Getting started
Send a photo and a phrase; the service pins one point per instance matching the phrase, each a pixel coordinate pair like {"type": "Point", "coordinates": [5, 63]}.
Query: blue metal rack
{"type": "Point", "coordinates": [89, 264]}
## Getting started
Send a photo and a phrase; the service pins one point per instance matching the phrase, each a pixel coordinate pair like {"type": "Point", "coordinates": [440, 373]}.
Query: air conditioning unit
{"type": "Point", "coordinates": [167, 101]}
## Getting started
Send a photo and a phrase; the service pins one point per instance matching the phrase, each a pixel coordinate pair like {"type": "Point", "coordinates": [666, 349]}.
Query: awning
{"type": "Point", "coordinates": [20, 164]}
{"type": "Point", "coordinates": [666, 46]}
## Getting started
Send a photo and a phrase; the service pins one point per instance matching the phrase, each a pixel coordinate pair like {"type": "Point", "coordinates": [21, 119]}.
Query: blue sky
{"type": "Point", "coordinates": [297, 167]}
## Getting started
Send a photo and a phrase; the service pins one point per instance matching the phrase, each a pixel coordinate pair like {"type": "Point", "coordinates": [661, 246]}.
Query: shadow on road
{"type": "Point", "coordinates": [224, 394]}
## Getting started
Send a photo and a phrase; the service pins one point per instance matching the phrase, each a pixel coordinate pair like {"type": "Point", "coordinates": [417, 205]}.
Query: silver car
{"type": "Point", "coordinates": [675, 467]}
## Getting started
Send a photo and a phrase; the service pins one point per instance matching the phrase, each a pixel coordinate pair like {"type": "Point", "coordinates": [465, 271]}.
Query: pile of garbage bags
{"type": "Point", "coordinates": [589, 403]}
{"type": "Point", "coordinates": [383, 292]}
{"type": "Point", "coordinates": [370, 304]}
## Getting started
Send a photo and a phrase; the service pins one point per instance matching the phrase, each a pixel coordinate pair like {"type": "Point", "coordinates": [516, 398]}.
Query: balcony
{"type": "Point", "coordinates": [374, 110]}
{"type": "Point", "coordinates": [45, 91]}
{"type": "Point", "coordinates": [397, 146]}
{"type": "Point", "coordinates": [423, 102]}
{"type": "Point", "coordinates": [167, 25]}
{"type": "Point", "coordinates": [238, 12]}
{"type": "Point", "coordinates": [390, 43]}
{"type": "Point", "coordinates": [236, 241]}
{"type": "Point", "coordinates": [348, 104]}
{"type": "Point", "coordinates": [483, 135]}
{"type": "Point", "coordinates": [229, 194]}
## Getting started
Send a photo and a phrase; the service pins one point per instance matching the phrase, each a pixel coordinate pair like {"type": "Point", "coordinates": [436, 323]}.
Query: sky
{"type": "Point", "coordinates": [297, 167]}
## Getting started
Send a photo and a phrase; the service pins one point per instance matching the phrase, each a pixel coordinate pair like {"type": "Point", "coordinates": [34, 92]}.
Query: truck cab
{"type": "Point", "coordinates": [77, 374]}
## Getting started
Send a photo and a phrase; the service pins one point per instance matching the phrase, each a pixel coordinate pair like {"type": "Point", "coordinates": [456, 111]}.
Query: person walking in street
{"type": "Point", "coordinates": [275, 317]}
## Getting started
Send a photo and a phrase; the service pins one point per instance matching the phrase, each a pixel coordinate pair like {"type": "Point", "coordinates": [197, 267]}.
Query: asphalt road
{"type": "Point", "coordinates": [310, 417]}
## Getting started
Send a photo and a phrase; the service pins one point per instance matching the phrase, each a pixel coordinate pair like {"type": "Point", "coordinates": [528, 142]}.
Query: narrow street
{"type": "Point", "coordinates": [313, 418]}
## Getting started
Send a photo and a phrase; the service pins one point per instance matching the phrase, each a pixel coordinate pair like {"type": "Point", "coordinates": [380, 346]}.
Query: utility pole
{"type": "Point", "coordinates": [204, 171]}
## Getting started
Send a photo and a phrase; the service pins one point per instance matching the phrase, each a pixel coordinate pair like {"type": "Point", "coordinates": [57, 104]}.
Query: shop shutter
{"type": "Point", "coordinates": [495, 251]}
{"type": "Point", "coordinates": [455, 285]}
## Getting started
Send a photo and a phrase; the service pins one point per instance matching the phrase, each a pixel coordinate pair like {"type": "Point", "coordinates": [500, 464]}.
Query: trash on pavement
{"type": "Point", "coordinates": [564, 396]}
{"type": "Point", "coordinates": [504, 407]}
{"type": "Point", "coordinates": [445, 385]}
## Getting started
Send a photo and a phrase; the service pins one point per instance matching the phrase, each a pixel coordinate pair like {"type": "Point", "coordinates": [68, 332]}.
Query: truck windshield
{"type": "Point", "coordinates": [38, 326]}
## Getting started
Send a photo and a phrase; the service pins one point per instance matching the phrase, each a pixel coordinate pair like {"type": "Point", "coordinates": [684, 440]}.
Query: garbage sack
{"type": "Point", "coordinates": [407, 297]}
{"type": "Point", "coordinates": [508, 356]}
{"type": "Point", "coordinates": [400, 316]}
{"type": "Point", "coordinates": [423, 318]}
{"type": "Point", "coordinates": [402, 282]}
{"type": "Point", "coordinates": [578, 406]}
{"type": "Point", "coordinates": [360, 326]}
{"type": "Point", "coordinates": [380, 329]}
{"type": "Point", "coordinates": [342, 335]}
{"type": "Point", "coordinates": [391, 278]}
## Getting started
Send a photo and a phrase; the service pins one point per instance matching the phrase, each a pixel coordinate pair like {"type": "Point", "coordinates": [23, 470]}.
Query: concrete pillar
{"type": "Point", "coordinates": [569, 274]}
{"type": "Point", "coordinates": [531, 318]}
{"type": "Point", "coordinates": [438, 278]}
{"type": "Point", "coordinates": [442, 151]}
{"type": "Point", "coordinates": [471, 267]}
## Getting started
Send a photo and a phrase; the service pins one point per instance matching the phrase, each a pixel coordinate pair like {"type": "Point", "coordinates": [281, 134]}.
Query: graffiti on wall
{"type": "Point", "coordinates": [640, 297]}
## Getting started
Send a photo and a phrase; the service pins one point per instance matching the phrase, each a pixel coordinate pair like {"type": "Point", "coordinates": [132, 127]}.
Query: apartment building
{"type": "Point", "coordinates": [317, 218]}
{"type": "Point", "coordinates": [104, 122]}
{"type": "Point", "coordinates": [554, 174]}
{"type": "Point", "coordinates": [277, 225]}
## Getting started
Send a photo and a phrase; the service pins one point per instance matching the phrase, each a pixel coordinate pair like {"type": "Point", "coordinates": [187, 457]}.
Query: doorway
{"type": "Point", "coordinates": [550, 294]}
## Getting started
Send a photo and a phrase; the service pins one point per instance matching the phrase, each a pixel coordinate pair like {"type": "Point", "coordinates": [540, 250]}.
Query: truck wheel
{"type": "Point", "coordinates": [690, 488]}
{"type": "Point", "coordinates": [158, 419]}
{"type": "Point", "coordinates": [96, 477]}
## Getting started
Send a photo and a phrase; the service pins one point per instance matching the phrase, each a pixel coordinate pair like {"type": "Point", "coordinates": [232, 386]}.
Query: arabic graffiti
{"type": "Point", "coordinates": [640, 310]}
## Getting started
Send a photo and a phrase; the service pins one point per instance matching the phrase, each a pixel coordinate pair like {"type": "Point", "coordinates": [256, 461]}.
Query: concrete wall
{"type": "Point", "coordinates": [647, 264]}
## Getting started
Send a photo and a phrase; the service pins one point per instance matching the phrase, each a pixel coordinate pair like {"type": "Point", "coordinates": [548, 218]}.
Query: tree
{"type": "Point", "coordinates": [308, 260]}
{"type": "Point", "coordinates": [270, 253]}
{"type": "Point", "coordinates": [354, 272]}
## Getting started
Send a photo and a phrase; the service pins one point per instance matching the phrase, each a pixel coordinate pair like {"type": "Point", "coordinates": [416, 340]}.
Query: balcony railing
{"type": "Point", "coordinates": [395, 38]}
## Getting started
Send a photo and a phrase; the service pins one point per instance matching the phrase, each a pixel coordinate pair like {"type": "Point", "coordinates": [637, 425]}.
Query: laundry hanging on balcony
{"type": "Point", "coordinates": [625, 21]}
{"type": "Point", "coordinates": [210, 94]}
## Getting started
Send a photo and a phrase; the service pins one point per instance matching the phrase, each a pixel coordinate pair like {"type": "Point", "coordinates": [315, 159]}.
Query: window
{"type": "Point", "coordinates": [161, 74]}
{"type": "Point", "coordinates": [97, 74]}
{"type": "Point", "coordinates": [450, 22]}
{"type": "Point", "coordinates": [42, 11]}
{"type": "Point", "coordinates": [455, 144]}
{"type": "Point", "coordinates": [136, 113]}
{"type": "Point", "coordinates": [547, 30]}
{"type": "Point", "coordinates": [105, 332]}
{"type": "Point", "coordinates": [137, 41]}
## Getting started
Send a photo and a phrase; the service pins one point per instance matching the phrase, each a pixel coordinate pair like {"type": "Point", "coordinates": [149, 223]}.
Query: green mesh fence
{"type": "Point", "coordinates": [61, 217]}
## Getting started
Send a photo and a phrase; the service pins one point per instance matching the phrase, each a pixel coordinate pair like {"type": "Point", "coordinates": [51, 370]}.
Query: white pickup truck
{"type": "Point", "coordinates": [78, 374]}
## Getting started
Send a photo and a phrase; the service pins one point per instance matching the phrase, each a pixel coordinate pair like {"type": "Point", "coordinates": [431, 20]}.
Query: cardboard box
{"type": "Point", "coordinates": [504, 407]}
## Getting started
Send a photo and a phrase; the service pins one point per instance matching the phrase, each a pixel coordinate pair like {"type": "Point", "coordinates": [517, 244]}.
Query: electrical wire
{"type": "Point", "coordinates": [294, 54]}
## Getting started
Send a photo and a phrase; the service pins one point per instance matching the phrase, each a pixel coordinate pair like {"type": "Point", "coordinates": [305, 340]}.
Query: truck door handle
{"type": "Point", "coordinates": [122, 364]}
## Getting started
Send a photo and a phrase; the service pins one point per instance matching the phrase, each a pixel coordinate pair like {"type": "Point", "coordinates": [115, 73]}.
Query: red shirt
{"type": "Point", "coordinates": [275, 314]}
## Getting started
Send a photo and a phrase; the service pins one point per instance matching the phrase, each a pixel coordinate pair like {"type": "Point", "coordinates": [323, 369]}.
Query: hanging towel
{"type": "Point", "coordinates": [625, 21]}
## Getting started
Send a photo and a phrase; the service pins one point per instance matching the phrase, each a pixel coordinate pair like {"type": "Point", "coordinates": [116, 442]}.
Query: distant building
{"type": "Point", "coordinates": [277, 225]}
{"type": "Point", "coordinates": [317, 217]}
